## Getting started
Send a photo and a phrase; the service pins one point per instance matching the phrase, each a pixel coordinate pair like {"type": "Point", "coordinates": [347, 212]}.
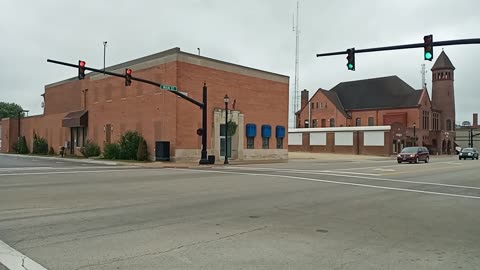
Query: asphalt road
{"type": "Point", "coordinates": [305, 214]}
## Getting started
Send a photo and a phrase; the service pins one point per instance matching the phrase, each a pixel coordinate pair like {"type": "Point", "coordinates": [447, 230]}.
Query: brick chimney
{"type": "Point", "coordinates": [475, 120]}
{"type": "Point", "coordinates": [304, 98]}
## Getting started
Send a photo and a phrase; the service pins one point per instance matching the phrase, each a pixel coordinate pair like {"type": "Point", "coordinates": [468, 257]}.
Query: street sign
{"type": "Point", "coordinates": [168, 87]}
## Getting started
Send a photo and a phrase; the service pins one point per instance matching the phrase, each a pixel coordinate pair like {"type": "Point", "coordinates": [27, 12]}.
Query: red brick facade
{"type": "Point", "coordinates": [258, 97]}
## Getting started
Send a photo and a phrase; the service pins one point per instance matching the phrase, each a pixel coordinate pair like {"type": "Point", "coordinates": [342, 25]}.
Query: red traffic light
{"type": "Point", "coordinates": [128, 71]}
{"type": "Point", "coordinates": [81, 69]}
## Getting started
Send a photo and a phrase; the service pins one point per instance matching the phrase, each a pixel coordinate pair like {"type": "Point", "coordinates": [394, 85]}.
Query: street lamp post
{"type": "Point", "coordinates": [226, 99]}
{"type": "Point", "coordinates": [104, 55]}
{"type": "Point", "coordinates": [414, 136]}
{"type": "Point", "coordinates": [19, 115]}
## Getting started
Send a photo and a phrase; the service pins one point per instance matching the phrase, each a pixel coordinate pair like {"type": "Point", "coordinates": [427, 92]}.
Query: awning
{"type": "Point", "coordinates": [76, 119]}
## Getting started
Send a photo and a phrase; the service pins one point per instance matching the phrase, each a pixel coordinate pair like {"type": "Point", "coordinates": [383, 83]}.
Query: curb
{"type": "Point", "coordinates": [66, 159]}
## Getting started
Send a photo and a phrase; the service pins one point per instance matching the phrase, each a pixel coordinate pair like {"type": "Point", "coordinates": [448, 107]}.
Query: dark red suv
{"type": "Point", "coordinates": [414, 155]}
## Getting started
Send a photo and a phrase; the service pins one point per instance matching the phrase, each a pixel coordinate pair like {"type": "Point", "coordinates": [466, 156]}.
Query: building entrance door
{"type": "Point", "coordinates": [222, 142]}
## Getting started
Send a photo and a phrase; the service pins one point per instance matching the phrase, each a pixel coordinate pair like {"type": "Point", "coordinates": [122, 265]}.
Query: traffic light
{"type": "Point", "coordinates": [81, 69]}
{"type": "Point", "coordinates": [128, 77]}
{"type": "Point", "coordinates": [428, 47]}
{"type": "Point", "coordinates": [351, 59]}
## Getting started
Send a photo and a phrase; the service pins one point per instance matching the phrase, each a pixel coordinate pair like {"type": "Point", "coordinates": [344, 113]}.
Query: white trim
{"type": "Point", "coordinates": [374, 138]}
{"type": "Point", "coordinates": [295, 139]}
{"type": "Point", "coordinates": [338, 129]}
{"type": "Point", "coordinates": [344, 138]}
{"type": "Point", "coordinates": [318, 138]}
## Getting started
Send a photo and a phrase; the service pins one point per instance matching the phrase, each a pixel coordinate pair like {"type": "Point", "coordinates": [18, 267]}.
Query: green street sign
{"type": "Point", "coordinates": [168, 87]}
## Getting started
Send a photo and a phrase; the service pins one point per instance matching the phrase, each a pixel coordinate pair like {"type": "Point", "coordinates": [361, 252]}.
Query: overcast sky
{"type": "Point", "coordinates": [250, 32]}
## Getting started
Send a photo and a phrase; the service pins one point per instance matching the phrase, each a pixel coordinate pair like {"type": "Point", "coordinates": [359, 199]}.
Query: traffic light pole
{"type": "Point", "coordinates": [408, 46]}
{"type": "Point", "coordinates": [199, 104]}
{"type": "Point", "coordinates": [202, 105]}
{"type": "Point", "coordinates": [203, 157]}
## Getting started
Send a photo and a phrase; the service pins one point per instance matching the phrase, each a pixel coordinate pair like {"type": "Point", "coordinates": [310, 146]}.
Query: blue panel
{"type": "Point", "coordinates": [266, 131]}
{"type": "Point", "coordinates": [280, 131]}
{"type": "Point", "coordinates": [251, 130]}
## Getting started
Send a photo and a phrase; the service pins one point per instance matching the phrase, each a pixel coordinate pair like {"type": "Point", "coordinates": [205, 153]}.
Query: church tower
{"type": "Point", "coordinates": [443, 101]}
{"type": "Point", "coordinates": [443, 94]}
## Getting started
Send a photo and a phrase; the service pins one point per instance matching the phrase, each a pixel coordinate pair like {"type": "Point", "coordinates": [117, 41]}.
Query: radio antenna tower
{"type": "Point", "coordinates": [423, 72]}
{"type": "Point", "coordinates": [296, 94]}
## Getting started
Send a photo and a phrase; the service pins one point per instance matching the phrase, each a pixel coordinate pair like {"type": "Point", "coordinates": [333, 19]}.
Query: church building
{"type": "Point", "coordinates": [415, 117]}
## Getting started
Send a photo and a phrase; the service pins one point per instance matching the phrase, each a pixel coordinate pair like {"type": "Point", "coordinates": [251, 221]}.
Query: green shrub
{"type": "Point", "coordinates": [142, 153]}
{"type": "Point", "coordinates": [51, 152]}
{"type": "Point", "coordinates": [129, 143]}
{"type": "Point", "coordinates": [112, 151]}
{"type": "Point", "coordinates": [21, 146]}
{"type": "Point", "coordinates": [15, 147]}
{"type": "Point", "coordinates": [91, 149]}
{"type": "Point", "coordinates": [40, 145]}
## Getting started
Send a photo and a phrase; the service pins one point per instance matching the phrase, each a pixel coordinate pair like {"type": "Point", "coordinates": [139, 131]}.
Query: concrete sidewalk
{"type": "Point", "coordinates": [195, 164]}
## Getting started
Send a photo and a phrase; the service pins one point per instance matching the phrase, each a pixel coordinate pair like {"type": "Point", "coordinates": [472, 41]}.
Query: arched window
{"type": "Point", "coordinates": [332, 122]}
{"type": "Point", "coordinates": [358, 122]}
{"type": "Point", "coordinates": [449, 124]}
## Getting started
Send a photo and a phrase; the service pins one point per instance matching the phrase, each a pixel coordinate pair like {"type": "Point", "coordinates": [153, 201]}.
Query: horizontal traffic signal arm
{"type": "Point", "coordinates": [199, 104]}
{"type": "Point", "coordinates": [408, 46]}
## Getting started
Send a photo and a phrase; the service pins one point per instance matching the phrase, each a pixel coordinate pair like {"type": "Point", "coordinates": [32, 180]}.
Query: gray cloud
{"type": "Point", "coordinates": [252, 33]}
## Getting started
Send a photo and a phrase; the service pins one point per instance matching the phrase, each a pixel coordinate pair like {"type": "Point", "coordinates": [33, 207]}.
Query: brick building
{"type": "Point", "coordinates": [101, 108]}
{"type": "Point", "coordinates": [389, 101]}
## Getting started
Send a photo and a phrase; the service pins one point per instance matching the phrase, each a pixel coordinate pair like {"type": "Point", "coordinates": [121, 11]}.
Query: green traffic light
{"type": "Point", "coordinates": [350, 66]}
{"type": "Point", "coordinates": [428, 55]}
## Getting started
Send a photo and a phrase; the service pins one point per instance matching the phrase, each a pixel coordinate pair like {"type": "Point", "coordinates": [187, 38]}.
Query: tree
{"type": "Point", "coordinates": [9, 110]}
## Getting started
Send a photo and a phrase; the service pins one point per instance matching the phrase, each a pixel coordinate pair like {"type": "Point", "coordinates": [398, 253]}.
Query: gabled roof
{"type": "Point", "coordinates": [333, 97]}
{"type": "Point", "coordinates": [443, 62]}
{"type": "Point", "coordinates": [376, 93]}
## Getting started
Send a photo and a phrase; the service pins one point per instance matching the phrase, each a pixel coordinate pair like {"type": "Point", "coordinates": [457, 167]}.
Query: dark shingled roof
{"type": "Point", "coordinates": [443, 62]}
{"type": "Point", "coordinates": [384, 92]}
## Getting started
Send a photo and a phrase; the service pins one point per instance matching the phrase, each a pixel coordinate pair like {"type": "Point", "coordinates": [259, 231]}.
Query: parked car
{"type": "Point", "coordinates": [458, 149]}
{"type": "Point", "coordinates": [468, 153]}
{"type": "Point", "coordinates": [414, 155]}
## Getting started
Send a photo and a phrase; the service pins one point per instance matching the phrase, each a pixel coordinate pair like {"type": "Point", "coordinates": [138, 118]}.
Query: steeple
{"type": "Point", "coordinates": [443, 62]}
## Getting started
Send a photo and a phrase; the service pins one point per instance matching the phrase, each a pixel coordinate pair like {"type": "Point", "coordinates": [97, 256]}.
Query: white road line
{"type": "Point", "coordinates": [62, 168]}
{"type": "Point", "coordinates": [71, 172]}
{"type": "Point", "coordinates": [396, 165]}
{"type": "Point", "coordinates": [365, 177]}
{"type": "Point", "coordinates": [299, 171]}
{"type": "Point", "coordinates": [15, 260]}
{"type": "Point", "coordinates": [25, 168]}
{"type": "Point", "coordinates": [355, 173]}
{"type": "Point", "coordinates": [337, 182]}
{"type": "Point", "coordinates": [384, 170]}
